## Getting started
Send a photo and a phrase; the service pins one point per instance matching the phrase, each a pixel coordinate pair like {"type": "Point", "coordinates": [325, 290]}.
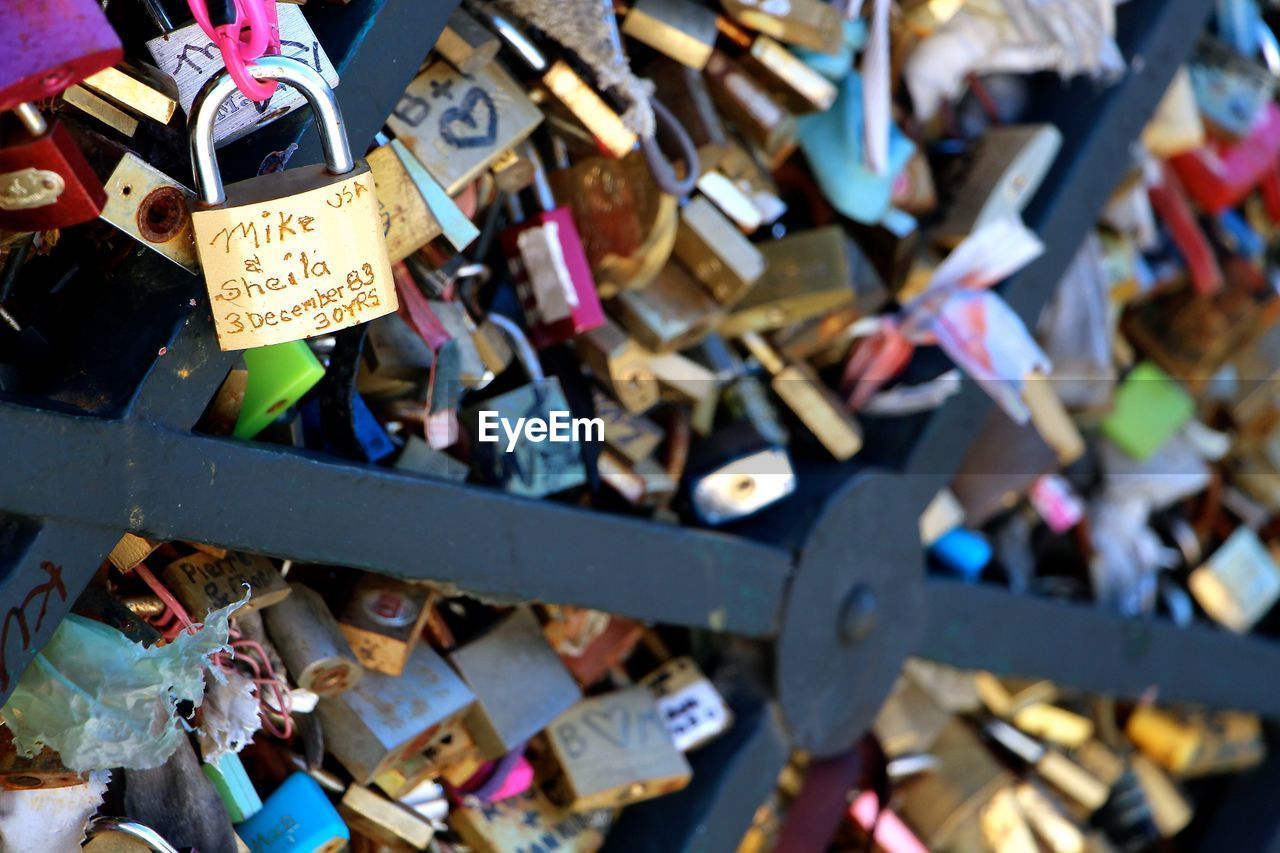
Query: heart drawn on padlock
{"type": "Point", "coordinates": [464, 115]}
{"type": "Point", "coordinates": [602, 723]}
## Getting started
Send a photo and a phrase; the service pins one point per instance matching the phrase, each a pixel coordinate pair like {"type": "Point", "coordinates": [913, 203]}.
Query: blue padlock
{"type": "Point", "coordinates": [963, 552]}
{"type": "Point", "coordinates": [297, 818]}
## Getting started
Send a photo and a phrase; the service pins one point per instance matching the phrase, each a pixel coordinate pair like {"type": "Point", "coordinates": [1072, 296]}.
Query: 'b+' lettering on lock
{"type": "Point", "coordinates": [470, 121]}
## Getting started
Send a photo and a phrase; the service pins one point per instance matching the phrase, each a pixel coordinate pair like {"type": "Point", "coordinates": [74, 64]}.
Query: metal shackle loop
{"type": "Point", "coordinates": [281, 69]}
{"type": "Point", "coordinates": [511, 34]}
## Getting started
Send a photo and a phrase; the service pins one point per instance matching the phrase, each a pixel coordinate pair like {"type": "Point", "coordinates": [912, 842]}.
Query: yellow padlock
{"type": "Point", "coordinates": [291, 254]}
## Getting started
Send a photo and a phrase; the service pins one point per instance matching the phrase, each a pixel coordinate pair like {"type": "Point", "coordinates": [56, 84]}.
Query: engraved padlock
{"type": "Point", "coordinates": [292, 254]}
{"type": "Point", "coordinates": [189, 57]}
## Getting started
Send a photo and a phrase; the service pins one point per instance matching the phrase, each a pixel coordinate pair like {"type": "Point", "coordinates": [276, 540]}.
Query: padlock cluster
{"type": "Point", "coordinates": [654, 259]}
{"type": "Point", "coordinates": [689, 262]}
{"type": "Point", "coordinates": [964, 760]}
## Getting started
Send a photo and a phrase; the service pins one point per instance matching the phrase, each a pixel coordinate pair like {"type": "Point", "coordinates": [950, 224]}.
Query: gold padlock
{"type": "Point", "coordinates": [807, 23]}
{"type": "Point", "coordinates": [293, 254]}
{"type": "Point", "coordinates": [672, 313]}
{"type": "Point", "coordinates": [621, 364]}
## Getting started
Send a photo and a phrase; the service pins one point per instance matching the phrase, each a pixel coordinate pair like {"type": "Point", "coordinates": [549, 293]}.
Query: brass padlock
{"type": "Point", "coordinates": [458, 125]}
{"type": "Point", "coordinates": [632, 436]}
{"type": "Point", "coordinates": [610, 750]}
{"type": "Point", "coordinates": [619, 363]}
{"type": "Point", "coordinates": [383, 621]}
{"type": "Point", "coordinates": [527, 821]}
{"type": "Point", "coordinates": [755, 112]}
{"type": "Point", "coordinates": [292, 254]}
{"type": "Point", "coordinates": [800, 88]}
{"type": "Point", "coordinates": [203, 582]}
{"type": "Point", "coordinates": [387, 823]}
{"type": "Point", "coordinates": [140, 89]}
{"type": "Point", "coordinates": [153, 209]}
{"type": "Point", "coordinates": [407, 222]}
{"type": "Point", "coordinates": [95, 106]}
{"type": "Point", "coordinates": [807, 273]}
{"type": "Point", "coordinates": [717, 254]}
{"type": "Point", "coordinates": [808, 23]}
{"type": "Point", "coordinates": [684, 31]}
{"type": "Point", "coordinates": [692, 708]}
{"type": "Point", "coordinates": [672, 313]}
{"type": "Point", "coordinates": [805, 394]}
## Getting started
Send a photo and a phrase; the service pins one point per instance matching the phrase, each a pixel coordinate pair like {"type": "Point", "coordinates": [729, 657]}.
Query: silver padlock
{"type": "Point", "coordinates": [102, 826]}
{"type": "Point", "coordinates": [188, 56]}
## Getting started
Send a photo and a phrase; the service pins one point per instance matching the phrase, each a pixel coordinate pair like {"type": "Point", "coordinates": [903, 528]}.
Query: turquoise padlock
{"type": "Point", "coordinates": [833, 144]}
{"type": "Point", "coordinates": [297, 818]}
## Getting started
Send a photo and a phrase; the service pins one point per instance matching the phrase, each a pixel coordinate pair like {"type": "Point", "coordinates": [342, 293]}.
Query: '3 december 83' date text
{"type": "Point", "coordinates": [325, 307]}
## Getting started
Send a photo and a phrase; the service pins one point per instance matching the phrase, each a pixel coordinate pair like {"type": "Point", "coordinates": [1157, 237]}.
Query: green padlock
{"type": "Point", "coordinates": [278, 377]}
{"type": "Point", "coordinates": [1149, 408]}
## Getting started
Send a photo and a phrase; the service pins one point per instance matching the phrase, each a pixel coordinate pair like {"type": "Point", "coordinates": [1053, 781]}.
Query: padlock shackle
{"type": "Point", "coordinates": [159, 15]}
{"type": "Point", "coordinates": [32, 119]}
{"type": "Point", "coordinates": [541, 185]}
{"type": "Point", "coordinates": [514, 37]}
{"type": "Point", "coordinates": [281, 69]}
{"type": "Point", "coordinates": [137, 831]}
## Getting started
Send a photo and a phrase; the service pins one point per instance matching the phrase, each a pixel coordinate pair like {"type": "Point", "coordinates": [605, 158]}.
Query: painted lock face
{"type": "Point", "coordinates": [45, 180]}
{"type": "Point", "coordinates": [47, 46]}
{"type": "Point", "coordinates": [550, 267]}
{"type": "Point", "coordinates": [389, 608]}
{"type": "Point", "coordinates": [292, 254]}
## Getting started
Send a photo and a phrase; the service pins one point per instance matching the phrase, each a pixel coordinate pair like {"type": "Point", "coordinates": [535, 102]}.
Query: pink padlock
{"type": "Point", "coordinates": [1220, 174]}
{"type": "Point", "coordinates": [550, 266]}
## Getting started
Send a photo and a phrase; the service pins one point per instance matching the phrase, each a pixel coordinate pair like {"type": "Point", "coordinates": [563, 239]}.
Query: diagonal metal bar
{"type": "Point", "coordinates": [982, 626]}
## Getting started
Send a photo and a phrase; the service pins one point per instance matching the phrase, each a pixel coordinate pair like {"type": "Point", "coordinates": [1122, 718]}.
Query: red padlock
{"type": "Point", "coordinates": [1169, 201]}
{"type": "Point", "coordinates": [1220, 174]}
{"type": "Point", "coordinates": [47, 45]}
{"type": "Point", "coordinates": [45, 180]}
{"type": "Point", "coordinates": [1269, 187]}
{"type": "Point", "coordinates": [550, 266]}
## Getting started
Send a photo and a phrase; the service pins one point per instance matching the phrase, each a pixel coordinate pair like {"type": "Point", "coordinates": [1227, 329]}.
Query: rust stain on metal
{"type": "Point", "coordinates": [163, 214]}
